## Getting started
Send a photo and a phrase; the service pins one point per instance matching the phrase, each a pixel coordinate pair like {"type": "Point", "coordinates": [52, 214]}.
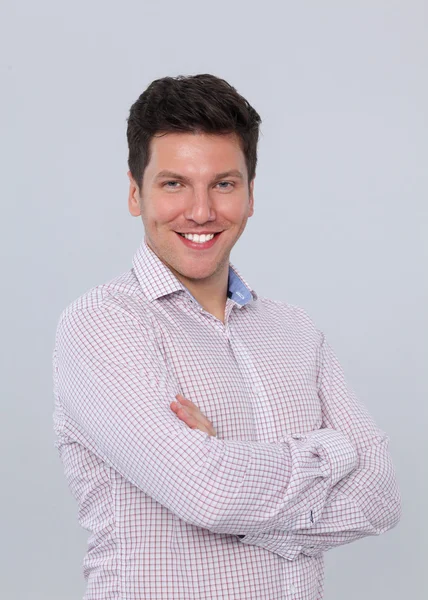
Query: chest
{"type": "Point", "coordinates": [254, 379]}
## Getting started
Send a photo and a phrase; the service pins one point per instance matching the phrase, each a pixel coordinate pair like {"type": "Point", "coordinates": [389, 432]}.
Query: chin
{"type": "Point", "coordinates": [196, 273]}
{"type": "Point", "coordinates": [194, 269]}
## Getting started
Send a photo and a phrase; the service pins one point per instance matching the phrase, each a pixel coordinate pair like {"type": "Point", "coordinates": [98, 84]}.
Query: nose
{"type": "Point", "coordinates": [200, 209]}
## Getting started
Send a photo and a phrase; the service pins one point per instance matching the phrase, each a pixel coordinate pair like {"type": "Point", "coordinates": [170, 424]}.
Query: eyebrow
{"type": "Point", "coordinates": [165, 173]}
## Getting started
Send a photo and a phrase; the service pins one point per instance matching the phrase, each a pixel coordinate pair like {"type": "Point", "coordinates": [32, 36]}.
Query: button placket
{"type": "Point", "coordinates": [227, 315]}
{"type": "Point", "coordinates": [264, 417]}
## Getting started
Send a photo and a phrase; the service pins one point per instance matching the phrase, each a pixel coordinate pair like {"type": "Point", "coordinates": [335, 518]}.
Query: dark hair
{"type": "Point", "coordinates": [197, 103]}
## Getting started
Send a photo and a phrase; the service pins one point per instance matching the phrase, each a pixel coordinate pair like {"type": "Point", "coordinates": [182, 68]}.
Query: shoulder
{"type": "Point", "coordinates": [107, 334]}
{"type": "Point", "coordinates": [290, 315]}
{"type": "Point", "coordinates": [105, 308]}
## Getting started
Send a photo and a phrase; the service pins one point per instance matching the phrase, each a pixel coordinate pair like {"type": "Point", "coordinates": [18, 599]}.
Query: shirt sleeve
{"type": "Point", "coordinates": [114, 389]}
{"type": "Point", "coordinates": [365, 502]}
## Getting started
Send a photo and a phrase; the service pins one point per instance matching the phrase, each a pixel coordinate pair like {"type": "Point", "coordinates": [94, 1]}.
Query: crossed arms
{"type": "Point", "coordinates": [305, 493]}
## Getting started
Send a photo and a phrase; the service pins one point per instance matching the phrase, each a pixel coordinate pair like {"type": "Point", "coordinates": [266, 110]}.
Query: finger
{"type": "Point", "coordinates": [191, 421]}
{"type": "Point", "coordinates": [186, 401]}
{"type": "Point", "coordinates": [183, 410]}
{"type": "Point", "coordinates": [194, 422]}
{"type": "Point", "coordinates": [194, 410]}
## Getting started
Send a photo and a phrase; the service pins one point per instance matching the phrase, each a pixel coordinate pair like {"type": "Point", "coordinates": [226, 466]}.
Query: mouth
{"type": "Point", "coordinates": [202, 242]}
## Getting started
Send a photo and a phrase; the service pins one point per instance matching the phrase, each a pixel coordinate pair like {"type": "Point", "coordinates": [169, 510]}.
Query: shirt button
{"type": "Point", "coordinates": [292, 589]}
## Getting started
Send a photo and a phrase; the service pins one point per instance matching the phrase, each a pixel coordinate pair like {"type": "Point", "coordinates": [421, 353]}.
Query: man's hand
{"type": "Point", "coordinates": [191, 415]}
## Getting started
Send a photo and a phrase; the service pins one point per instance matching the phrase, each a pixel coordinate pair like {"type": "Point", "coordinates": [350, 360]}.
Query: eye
{"type": "Point", "coordinates": [171, 185]}
{"type": "Point", "coordinates": [225, 185]}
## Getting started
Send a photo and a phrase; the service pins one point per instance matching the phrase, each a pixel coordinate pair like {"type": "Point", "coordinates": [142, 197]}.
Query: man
{"type": "Point", "coordinates": [207, 433]}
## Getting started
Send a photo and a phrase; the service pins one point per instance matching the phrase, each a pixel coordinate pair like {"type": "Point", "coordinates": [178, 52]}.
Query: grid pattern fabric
{"type": "Point", "coordinates": [298, 465]}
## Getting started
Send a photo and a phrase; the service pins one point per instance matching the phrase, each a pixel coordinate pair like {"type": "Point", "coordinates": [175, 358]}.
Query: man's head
{"type": "Point", "coordinates": [192, 160]}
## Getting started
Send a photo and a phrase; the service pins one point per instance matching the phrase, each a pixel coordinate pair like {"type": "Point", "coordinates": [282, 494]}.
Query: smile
{"type": "Point", "coordinates": [199, 242]}
{"type": "Point", "coordinates": [199, 239]}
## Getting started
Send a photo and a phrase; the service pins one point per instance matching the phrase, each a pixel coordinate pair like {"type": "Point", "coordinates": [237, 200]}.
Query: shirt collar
{"type": "Point", "coordinates": [157, 280]}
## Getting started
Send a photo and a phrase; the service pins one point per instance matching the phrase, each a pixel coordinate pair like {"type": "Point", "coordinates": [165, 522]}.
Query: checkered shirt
{"type": "Point", "coordinates": [298, 465]}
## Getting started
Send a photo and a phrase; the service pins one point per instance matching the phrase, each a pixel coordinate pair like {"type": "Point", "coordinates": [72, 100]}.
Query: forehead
{"type": "Point", "coordinates": [196, 152]}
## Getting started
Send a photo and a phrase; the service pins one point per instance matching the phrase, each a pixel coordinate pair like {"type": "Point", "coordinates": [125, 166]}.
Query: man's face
{"type": "Point", "coordinates": [194, 183]}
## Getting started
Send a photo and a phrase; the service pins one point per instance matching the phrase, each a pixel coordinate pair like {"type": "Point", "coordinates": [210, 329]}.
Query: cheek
{"type": "Point", "coordinates": [237, 212]}
{"type": "Point", "coordinates": [164, 209]}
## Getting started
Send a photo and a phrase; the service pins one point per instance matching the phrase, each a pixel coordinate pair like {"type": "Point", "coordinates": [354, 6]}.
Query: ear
{"type": "Point", "coordinates": [133, 197]}
{"type": "Point", "coordinates": [251, 198]}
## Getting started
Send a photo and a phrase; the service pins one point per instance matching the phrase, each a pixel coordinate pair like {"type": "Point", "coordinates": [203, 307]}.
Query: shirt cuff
{"type": "Point", "coordinates": [338, 454]}
{"type": "Point", "coordinates": [338, 457]}
{"type": "Point", "coordinates": [279, 542]}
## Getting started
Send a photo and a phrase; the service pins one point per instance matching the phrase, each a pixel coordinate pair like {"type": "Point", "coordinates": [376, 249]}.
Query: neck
{"type": "Point", "coordinates": [210, 293]}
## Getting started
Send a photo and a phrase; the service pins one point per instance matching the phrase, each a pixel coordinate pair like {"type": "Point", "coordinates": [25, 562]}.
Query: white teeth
{"type": "Point", "coordinates": [199, 239]}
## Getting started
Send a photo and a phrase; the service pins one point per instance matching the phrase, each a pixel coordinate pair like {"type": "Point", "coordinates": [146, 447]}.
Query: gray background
{"type": "Point", "coordinates": [340, 217]}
